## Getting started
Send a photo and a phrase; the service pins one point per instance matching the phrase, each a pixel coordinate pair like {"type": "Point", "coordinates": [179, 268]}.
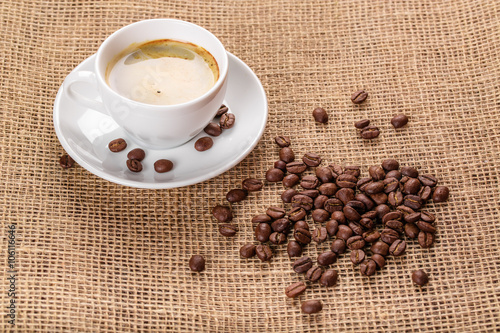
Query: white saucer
{"type": "Point", "coordinates": [85, 134]}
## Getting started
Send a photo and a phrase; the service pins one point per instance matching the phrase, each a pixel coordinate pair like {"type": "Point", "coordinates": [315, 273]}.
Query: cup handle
{"type": "Point", "coordinates": [88, 78]}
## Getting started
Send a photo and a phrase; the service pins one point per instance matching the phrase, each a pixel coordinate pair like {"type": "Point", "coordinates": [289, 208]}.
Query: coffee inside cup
{"type": "Point", "coordinates": [162, 72]}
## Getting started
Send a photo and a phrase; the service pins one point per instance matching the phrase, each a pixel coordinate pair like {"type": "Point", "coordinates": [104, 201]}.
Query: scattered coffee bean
{"type": "Point", "coordinates": [222, 110]}
{"type": "Point", "coordinates": [420, 277]}
{"type": "Point", "coordinates": [362, 123]}
{"type": "Point", "coordinates": [287, 155]}
{"type": "Point", "coordinates": [262, 232]}
{"type": "Point", "coordinates": [280, 165]}
{"type": "Point", "coordinates": [302, 265]}
{"type": "Point", "coordinates": [274, 175]}
{"type": "Point", "coordinates": [296, 167]}
{"type": "Point", "coordinates": [368, 267]}
{"type": "Point", "coordinates": [117, 145]}
{"type": "Point", "coordinates": [379, 260]}
{"type": "Point", "coordinates": [302, 236]}
{"type": "Point", "coordinates": [291, 180]}
{"type": "Point", "coordinates": [309, 182]}
{"type": "Point", "coordinates": [359, 97]}
{"type": "Point", "coordinates": [311, 159]}
{"type": "Point", "coordinates": [425, 239]}
{"type": "Point", "coordinates": [282, 141]}
{"type": "Point", "coordinates": [344, 232]}
{"type": "Point", "coordinates": [228, 230]}
{"type": "Point", "coordinates": [264, 252]}
{"type": "Point", "coordinates": [227, 120]}
{"type": "Point", "coordinates": [371, 236]}
{"type": "Point", "coordinates": [261, 218]}
{"type": "Point", "coordinates": [314, 273]}
{"type": "Point", "coordinates": [203, 143]}
{"type": "Point", "coordinates": [320, 115]}
{"type": "Point", "coordinates": [247, 250]}
{"type": "Point", "coordinates": [412, 186]}
{"type": "Point", "coordinates": [276, 212]}
{"type": "Point", "coordinates": [328, 189]}
{"type": "Point", "coordinates": [163, 165]}
{"type": "Point", "coordinates": [399, 120]}
{"type": "Point", "coordinates": [277, 238]}
{"type": "Point", "coordinates": [427, 217]}
{"type": "Point", "coordinates": [319, 235]}
{"type": "Point", "coordinates": [428, 180]}
{"type": "Point", "coordinates": [66, 161]}
{"type": "Point", "coordinates": [380, 247]}
{"type": "Point", "coordinates": [338, 246]}
{"type": "Point", "coordinates": [389, 236]}
{"type": "Point", "coordinates": [294, 249]}
{"type": "Point", "coordinates": [357, 256]}
{"type": "Point", "coordinates": [197, 263]}
{"type": "Point", "coordinates": [426, 227]}
{"type": "Point", "coordinates": [301, 225]}
{"type": "Point", "coordinates": [236, 195]}
{"type": "Point", "coordinates": [296, 214]}
{"type": "Point", "coordinates": [411, 230]}
{"type": "Point", "coordinates": [441, 194]}
{"type": "Point", "coordinates": [136, 154]}
{"type": "Point", "coordinates": [355, 242]}
{"type": "Point", "coordinates": [370, 132]}
{"type": "Point", "coordinates": [325, 174]}
{"type": "Point", "coordinates": [213, 129]}
{"type": "Point", "coordinates": [287, 195]}
{"type": "Point", "coordinates": [327, 258]}
{"type": "Point", "coordinates": [295, 289]}
{"type": "Point", "coordinates": [398, 248]}
{"type": "Point", "coordinates": [329, 278]}
{"type": "Point", "coordinates": [252, 184]}
{"type": "Point", "coordinates": [302, 201]}
{"type": "Point", "coordinates": [320, 215]}
{"type": "Point", "coordinates": [222, 213]}
{"type": "Point", "coordinates": [281, 225]}
{"type": "Point", "coordinates": [312, 306]}
{"type": "Point", "coordinates": [390, 165]}
{"type": "Point", "coordinates": [409, 171]}
{"type": "Point", "coordinates": [134, 165]}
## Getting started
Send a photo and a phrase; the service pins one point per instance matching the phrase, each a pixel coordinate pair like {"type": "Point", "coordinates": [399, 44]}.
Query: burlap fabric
{"type": "Point", "coordinates": [93, 256]}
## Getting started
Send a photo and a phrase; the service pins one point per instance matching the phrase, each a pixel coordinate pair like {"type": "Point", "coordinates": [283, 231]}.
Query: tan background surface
{"type": "Point", "coordinates": [94, 256]}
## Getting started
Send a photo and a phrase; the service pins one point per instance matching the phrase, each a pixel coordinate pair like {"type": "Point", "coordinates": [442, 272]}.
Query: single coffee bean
{"type": "Point", "coordinates": [336, 170]}
{"type": "Point", "coordinates": [320, 115]}
{"type": "Point", "coordinates": [279, 164]}
{"type": "Point", "coordinates": [213, 129]}
{"type": "Point", "coordinates": [338, 246]}
{"type": "Point", "coordinates": [412, 186]}
{"type": "Point", "coordinates": [376, 172]}
{"type": "Point", "coordinates": [326, 258]}
{"type": "Point", "coordinates": [426, 227]}
{"type": "Point", "coordinates": [320, 215]}
{"type": "Point", "coordinates": [303, 236]}
{"type": "Point", "coordinates": [227, 120]}
{"type": "Point", "coordinates": [264, 252]}
{"type": "Point", "coordinates": [370, 132]}
{"type": "Point", "coordinates": [441, 194]}
{"type": "Point", "coordinates": [425, 193]}
{"type": "Point", "coordinates": [355, 242]}
{"type": "Point", "coordinates": [222, 109]}
{"type": "Point", "coordinates": [310, 193]}
{"type": "Point", "coordinates": [395, 225]}
{"type": "Point", "coordinates": [302, 201]}
{"type": "Point", "coordinates": [412, 201]}
{"type": "Point", "coordinates": [380, 247]}
{"type": "Point", "coordinates": [419, 277]}
{"type": "Point", "coordinates": [425, 239]}
{"type": "Point", "coordinates": [296, 167]}
{"type": "Point", "coordinates": [314, 273]}
{"type": "Point", "coordinates": [228, 230]}
{"type": "Point", "coordinates": [345, 195]}
{"type": "Point", "coordinates": [379, 198]}
{"type": "Point", "coordinates": [352, 170]}
{"type": "Point", "coordinates": [236, 195]}
{"type": "Point", "coordinates": [309, 182]}
{"type": "Point", "coordinates": [428, 180]}
{"type": "Point", "coordinates": [344, 232]}
{"type": "Point", "coordinates": [351, 214]}
{"type": "Point", "coordinates": [409, 171]}
{"type": "Point", "coordinates": [247, 250]}
{"type": "Point", "coordinates": [222, 213]}
{"type": "Point", "coordinates": [163, 165]}
{"type": "Point", "coordinates": [360, 124]}
{"type": "Point", "coordinates": [312, 306]}
{"type": "Point", "coordinates": [359, 97]}
{"type": "Point", "coordinates": [134, 165]}
{"type": "Point", "coordinates": [368, 268]}
{"type": "Point", "coordinates": [252, 184]}
{"type": "Point", "coordinates": [197, 263]}
{"type": "Point", "coordinates": [301, 224]}
{"type": "Point", "coordinates": [136, 154]}
{"type": "Point", "coordinates": [204, 143]}
{"type": "Point", "coordinates": [399, 120]}
{"type": "Point", "coordinates": [357, 205]}
{"type": "Point", "coordinates": [397, 248]}
{"type": "Point", "coordinates": [367, 223]}
{"type": "Point", "coordinates": [295, 289]}
{"type": "Point", "coordinates": [277, 238]}
{"type": "Point", "coordinates": [332, 227]}
{"type": "Point", "coordinates": [325, 174]}
{"type": "Point", "coordinates": [394, 174]}
{"type": "Point", "coordinates": [390, 164]}
{"type": "Point", "coordinates": [395, 198]}
{"type": "Point", "coordinates": [287, 155]}
{"type": "Point", "coordinates": [339, 216]}
{"type": "Point", "coordinates": [391, 185]}
{"type": "Point", "coordinates": [294, 249]}
{"type": "Point", "coordinates": [379, 260]}
{"type": "Point", "coordinates": [311, 159]}
{"type": "Point", "coordinates": [66, 161]}
{"type": "Point", "coordinates": [276, 212]}
{"type": "Point", "coordinates": [261, 218]}
{"type": "Point", "coordinates": [287, 195]}
{"type": "Point", "coordinates": [357, 256]}
{"type": "Point", "coordinates": [412, 218]}
{"type": "Point", "coordinates": [329, 278]}
{"type": "Point", "coordinates": [382, 210]}
{"type": "Point", "coordinates": [405, 210]}
{"type": "Point", "coordinates": [291, 180]}
{"type": "Point", "coordinates": [296, 214]}
{"type": "Point", "coordinates": [319, 235]}
{"type": "Point", "coordinates": [411, 230]}
{"type": "Point", "coordinates": [389, 236]}
{"type": "Point", "coordinates": [371, 214]}
{"type": "Point", "coordinates": [281, 225]}
{"type": "Point", "coordinates": [346, 180]}
{"type": "Point", "coordinates": [117, 145]}
{"type": "Point", "coordinates": [282, 141]}
{"type": "Point", "coordinates": [374, 188]}
{"type": "Point", "coordinates": [369, 204]}
{"type": "Point", "coordinates": [319, 202]}
{"type": "Point", "coordinates": [363, 182]}
{"type": "Point", "coordinates": [262, 232]}
{"type": "Point", "coordinates": [371, 236]}
{"type": "Point", "coordinates": [427, 217]}
{"type": "Point", "coordinates": [274, 175]}
{"type": "Point", "coordinates": [302, 265]}
{"type": "Point", "coordinates": [356, 228]}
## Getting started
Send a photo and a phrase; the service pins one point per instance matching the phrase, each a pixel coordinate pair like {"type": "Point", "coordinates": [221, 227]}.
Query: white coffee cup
{"type": "Point", "coordinates": [153, 126]}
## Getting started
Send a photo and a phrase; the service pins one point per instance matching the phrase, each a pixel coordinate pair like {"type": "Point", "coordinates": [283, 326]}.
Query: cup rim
{"type": "Point", "coordinates": [214, 88]}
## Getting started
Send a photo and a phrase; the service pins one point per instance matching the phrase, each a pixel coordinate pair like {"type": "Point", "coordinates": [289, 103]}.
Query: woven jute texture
{"type": "Point", "coordinates": [94, 256]}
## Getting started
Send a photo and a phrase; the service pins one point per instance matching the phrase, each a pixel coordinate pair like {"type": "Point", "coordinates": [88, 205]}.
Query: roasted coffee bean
{"type": "Point", "coordinates": [302, 201]}
{"type": "Point", "coordinates": [295, 289]}
{"type": "Point", "coordinates": [351, 214]}
{"type": "Point", "coordinates": [397, 248]}
{"type": "Point", "coordinates": [336, 170]}
{"type": "Point", "coordinates": [360, 124]}
{"type": "Point", "coordinates": [302, 265]}
{"type": "Point", "coordinates": [197, 263]}
{"type": "Point", "coordinates": [277, 238]}
{"type": "Point", "coordinates": [282, 141]}
{"type": "Point", "coordinates": [302, 236]}
{"type": "Point", "coordinates": [395, 198]}
{"type": "Point", "coordinates": [222, 109]}
{"type": "Point", "coordinates": [352, 170]}
{"type": "Point", "coordinates": [426, 227]}
{"type": "Point", "coordinates": [332, 227]}
{"type": "Point", "coordinates": [379, 260]}
{"type": "Point", "coordinates": [403, 180]}
{"type": "Point", "coordinates": [371, 236]}
{"type": "Point", "coordinates": [163, 165]}
{"type": "Point", "coordinates": [346, 180]}
{"type": "Point", "coordinates": [441, 194]}
{"type": "Point", "coordinates": [382, 210]}
{"type": "Point", "coordinates": [357, 256]}
{"type": "Point", "coordinates": [117, 145]}
{"type": "Point", "coordinates": [355, 242]}
{"type": "Point", "coordinates": [314, 273]}
{"type": "Point", "coordinates": [345, 195]}
{"type": "Point", "coordinates": [222, 213]}
{"type": "Point", "coordinates": [291, 180]}
{"type": "Point", "coordinates": [296, 214]}
{"type": "Point", "coordinates": [363, 183]}
{"type": "Point", "coordinates": [228, 230]}
{"type": "Point", "coordinates": [399, 120]}
{"type": "Point", "coordinates": [203, 143]}
{"type": "Point", "coordinates": [262, 232]}
{"type": "Point", "coordinates": [252, 184]}
{"type": "Point", "coordinates": [319, 235]}
{"type": "Point", "coordinates": [319, 202]}
{"type": "Point", "coordinates": [328, 189]}
{"type": "Point", "coordinates": [339, 216]}
{"type": "Point", "coordinates": [287, 155]}
{"type": "Point", "coordinates": [320, 115]}
{"type": "Point", "coordinates": [428, 180]}
{"type": "Point", "coordinates": [390, 185]}
{"type": "Point", "coordinates": [389, 236]}
{"type": "Point", "coordinates": [279, 164]}
{"type": "Point", "coordinates": [368, 267]}
{"type": "Point", "coordinates": [412, 186]}
{"type": "Point", "coordinates": [301, 224]}
{"type": "Point", "coordinates": [329, 278]}
{"type": "Point", "coordinates": [311, 306]}
{"type": "Point", "coordinates": [409, 171]}
{"type": "Point", "coordinates": [327, 258]}
{"type": "Point", "coordinates": [390, 164]}
{"type": "Point", "coordinates": [370, 132]}
{"type": "Point", "coordinates": [344, 232]}
{"type": "Point", "coordinates": [213, 129]}
{"type": "Point", "coordinates": [404, 210]}
{"type": "Point", "coordinates": [136, 154]}
{"type": "Point", "coordinates": [294, 249]}
{"type": "Point", "coordinates": [247, 250]}
{"type": "Point", "coordinates": [374, 188]}
{"type": "Point", "coordinates": [324, 174]}
{"type": "Point", "coordinates": [236, 195]}
{"type": "Point", "coordinates": [264, 252]}
{"type": "Point", "coordinates": [311, 159]}
{"type": "Point", "coordinates": [376, 172]}
{"type": "Point", "coordinates": [411, 230]}
{"type": "Point", "coordinates": [395, 225]}
{"type": "Point", "coordinates": [274, 175]}
{"type": "Point", "coordinates": [357, 205]}
{"type": "Point", "coordinates": [134, 165]}
{"type": "Point", "coordinates": [227, 120]}
{"type": "Point", "coordinates": [359, 97]}
{"type": "Point", "coordinates": [427, 217]}
{"type": "Point", "coordinates": [287, 195]}
{"type": "Point", "coordinates": [412, 201]}
{"type": "Point", "coordinates": [310, 193]}
{"type": "Point", "coordinates": [320, 215]}
{"type": "Point", "coordinates": [419, 277]}
{"type": "Point", "coordinates": [261, 218]}
{"type": "Point", "coordinates": [276, 212]}
{"type": "Point", "coordinates": [371, 214]}
{"type": "Point", "coordinates": [379, 198]}
{"type": "Point", "coordinates": [281, 225]}
{"type": "Point", "coordinates": [425, 239]}
{"type": "Point", "coordinates": [66, 161]}
{"type": "Point", "coordinates": [369, 204]}
{"type": "Point", "coordinates": [338, 246]}
{"type": "Point", "coordinates": [380, 247]}
{"type": "Point", "coordinates": [412, 218]}
{"type": "Point", "coordinates": [367, 223]}
{"type": "Point", "coordinates": [425, 193]}
{"type": "Point", "coordinates": [296, 167]}
{"type": "Point", "coordinates": [394, 174]}
{"type": "Point", "coordinates": [309, 182]}
{"type": "Point", "coordinates": [356, 228]}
